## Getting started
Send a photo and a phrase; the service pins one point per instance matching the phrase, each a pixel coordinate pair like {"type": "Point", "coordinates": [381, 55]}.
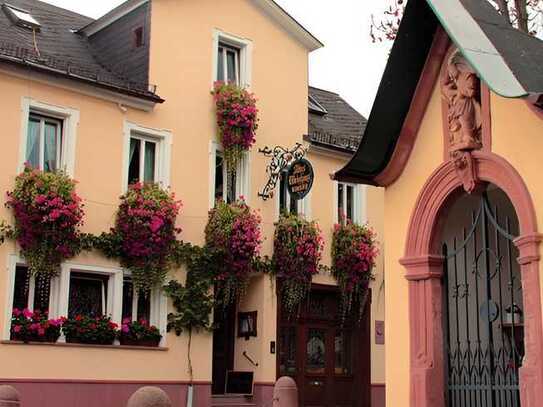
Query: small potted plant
{"type": "Point", "coordinates": [139, 333]}
{"type": "Point", "coordinates": [90, 330]}
{"type": "Point", "coordinates": [28, 326]}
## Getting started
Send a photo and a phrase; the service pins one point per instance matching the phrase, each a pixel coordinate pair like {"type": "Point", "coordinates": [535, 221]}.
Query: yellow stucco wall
{"type": "Point", "coordinates": [516, 136]}
{"type": "Point", "coordinates": [181, 66]}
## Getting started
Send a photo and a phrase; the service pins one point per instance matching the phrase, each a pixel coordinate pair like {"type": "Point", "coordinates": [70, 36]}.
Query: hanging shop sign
{"type": "Point", "coordinates": [300, 178]}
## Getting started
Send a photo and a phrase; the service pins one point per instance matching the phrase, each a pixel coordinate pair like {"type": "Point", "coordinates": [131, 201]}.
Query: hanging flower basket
{"type": "Point", "coordinates": [48, 214]}
{"type": "Point", "coordinates": [237, 120]}
{"type": "Point", "coordinates": [297, 251]}
{"type": "Point", "coordinates": [34, 326]}
{"type": "Point", "coordinates": [233, 235]}
{"type": "Point", "coordinates": [145, 234]}
{"type": "Point", "coordinates": [354, 251]}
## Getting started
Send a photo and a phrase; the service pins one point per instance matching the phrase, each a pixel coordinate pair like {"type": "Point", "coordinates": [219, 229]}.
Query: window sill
{"type": "Point", "coordinates": [83, 345]}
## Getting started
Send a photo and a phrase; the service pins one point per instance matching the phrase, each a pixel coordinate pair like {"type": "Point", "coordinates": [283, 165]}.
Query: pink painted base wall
{"type": "Point", "coordinates": [378, 395]}
{"type": "Point", "coordinates": [49, 393]}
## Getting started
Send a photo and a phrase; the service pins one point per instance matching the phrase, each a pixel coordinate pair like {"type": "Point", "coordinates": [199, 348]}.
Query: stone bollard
{"type": "Point", "coordinates": [9, 397]}
{"type": "Point", "coordinates": [149, 397]}
{"type": "Point", "coordinates": [285, 393]}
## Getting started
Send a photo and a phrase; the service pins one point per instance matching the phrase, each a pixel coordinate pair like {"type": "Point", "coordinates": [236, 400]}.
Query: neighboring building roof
{"type": "Point", "coordinates": [58, 49]}
{"type": "Point", "coordinates": [269, 7]}
{"type": "Point", "coordinates": [507, 60]}
{"type": "Point", "coordinates": [333, 123]}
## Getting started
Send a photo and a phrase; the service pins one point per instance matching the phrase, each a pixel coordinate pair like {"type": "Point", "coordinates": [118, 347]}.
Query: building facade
{"type": "Point", "coordinates": [126, 98]}
{"type": "Point", "coordinates": [459, 161]}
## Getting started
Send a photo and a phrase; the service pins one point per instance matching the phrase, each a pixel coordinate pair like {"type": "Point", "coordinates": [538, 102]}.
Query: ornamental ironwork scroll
{"type": "Point", "coordinates": [281, 158]}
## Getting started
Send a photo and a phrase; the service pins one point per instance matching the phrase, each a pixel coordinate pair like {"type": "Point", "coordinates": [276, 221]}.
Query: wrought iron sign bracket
{"type": "Point", "coordinates": [281, 158]}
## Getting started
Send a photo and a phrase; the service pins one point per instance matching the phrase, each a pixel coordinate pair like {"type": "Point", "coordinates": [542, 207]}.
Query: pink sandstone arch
{"type": "Point", "coordinates": [424, 266]}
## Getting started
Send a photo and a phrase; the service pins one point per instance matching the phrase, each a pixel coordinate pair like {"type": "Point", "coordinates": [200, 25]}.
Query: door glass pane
{"type": "Point", "coordinates": [231, 61]}
{"type": "Point", "coordinates": [33, 143]}
{"type": "Point", "coordinates": [340, 204]}
{"type": "Point", "coordinates": [150, 159]}
{"type": "Point", "coordinates": [50, 147]}
{"type": "Point", "coordinates": [350, 203]}
{"type": "Point", "coordinates": [220, 65]}
{"type": "Point", "coordinates": [342, 347]}
{"type": "Point", "coordinates": [134, 161]}
{"type": "Point", "coordinates": [87, 295]}
{"type": "Point", "coordinates": [315, 351]}
{"type": "Point", "coordinates": [287, 351]}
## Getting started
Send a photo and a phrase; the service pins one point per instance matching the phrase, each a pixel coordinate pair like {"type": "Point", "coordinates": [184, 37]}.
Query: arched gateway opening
{"type": "Point", "coordinates": [483, 326]}
{"type": "Point", "coordinates": [461, 250]}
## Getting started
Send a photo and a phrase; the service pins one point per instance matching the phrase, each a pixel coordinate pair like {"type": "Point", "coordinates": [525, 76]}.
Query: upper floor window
{"type": "Point", "coordinates": [226, 185]}
{"type": "Point", "coordinates": [44, 142]}
{"type": "Point", "coordinates": [228, 61]}
{"type": "Point", "coordinates": [232, 59]}
{"type": "Point", "coordinates": [143, 160]}
{"type": "Point", "coordinates": [147, 155]}
{"type": "Point", "coordinates": [28, 292]}
{"type": "Point", "coordinates": [287, 204]}
{"type": "Point", "coordinates": [349, 203]}
{"type": "Point", "coordinates": [48, 136]}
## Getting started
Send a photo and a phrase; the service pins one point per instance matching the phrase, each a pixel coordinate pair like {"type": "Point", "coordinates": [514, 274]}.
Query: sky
{"type": "Point", "coordinates": [349, 64]}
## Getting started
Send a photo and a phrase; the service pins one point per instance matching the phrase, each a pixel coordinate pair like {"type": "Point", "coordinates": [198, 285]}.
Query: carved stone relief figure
{"type": "Point", "coordinates": [461, 90]}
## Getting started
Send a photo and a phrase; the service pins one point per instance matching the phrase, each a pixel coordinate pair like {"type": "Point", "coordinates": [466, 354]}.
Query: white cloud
{"type": "Point", "coordinates": [348, 64]}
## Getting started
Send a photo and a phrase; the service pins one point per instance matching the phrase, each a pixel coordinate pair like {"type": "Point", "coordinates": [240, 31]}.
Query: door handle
{"type": "Point", "coordinates": [317, 383]}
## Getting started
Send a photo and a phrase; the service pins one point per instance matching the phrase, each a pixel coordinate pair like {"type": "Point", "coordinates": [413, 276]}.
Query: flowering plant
{"type": "Point", "coordinates": [297, 251]}
{"type": "Point", "coordinates": [145, 233]}
{"type": "Point", "coordinates": [233, 234]}
{"type": "Point", "coordinates": [90, 330]}
{"type": "Point", "coordinates": [139, 333]}
{"type": "Point", "coordinates": [48, 214]}
{"type": "Point", "coordinates": [34, 326]}
{"type": "Point", "coordinates": [236, 118]}
{"type": "Point", "coordinates": [353, 258]}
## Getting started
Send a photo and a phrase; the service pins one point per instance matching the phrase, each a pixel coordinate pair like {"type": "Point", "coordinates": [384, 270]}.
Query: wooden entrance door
{"type": "Point", "coordinates": [223, 346]}
{"type": "Point", "coordinates": [330, 361]}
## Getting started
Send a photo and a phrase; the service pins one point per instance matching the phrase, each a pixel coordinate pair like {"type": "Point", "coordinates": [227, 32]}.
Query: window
{"type": "Point", "coordinates": [228, 64]}
{"type": "Point", "coordinates": [147, 156]}
{"type": "Point", "coordinates": [226, 185]}
{"type": "Point", "coordinates": [136, 306]}
{"type": "Point", "coordinates": [88, 294]}
{"type": "Point", "coordinates": [349, 203]}
{"type": "Point", "coordinates": [44, 142]}
{"type": "Point", "coordinates": [21, 17]}
{"type": "Point", "coordinates": [139, 40]}
{"type": "Point", "coordinates": [232, 59]}
{"type": "Point", "coordinates": [48, 136]}
{"type": "Point", "coordinates": [143, 160]}
{"type": "Point", "coordinates": [287, 204]}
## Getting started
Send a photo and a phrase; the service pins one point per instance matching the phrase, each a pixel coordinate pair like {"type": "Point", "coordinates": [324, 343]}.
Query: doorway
{"type": "Point", "coordinates": [223, 346]}
{"type": "Point", "coordinates": [329, 361]}
{"type": "Point", "coordinates": [482, 302]}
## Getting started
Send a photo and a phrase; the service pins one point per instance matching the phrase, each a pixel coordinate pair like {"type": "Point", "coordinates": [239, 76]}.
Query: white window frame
{"type": "Point", "coordinates": [245, 47]}
{"type": "Point", "coordinates": [359, 202]}
{"type": "Point", "coordinates": [228, 48]}
{"type": "Point", "coordinates": [70, 121]}
{"type": "Point", "coordinates": [303, 205]}
{"type": "Point", "coordinates": [163, 139]}
{"type": "Point", "coordinates": [243, 178]}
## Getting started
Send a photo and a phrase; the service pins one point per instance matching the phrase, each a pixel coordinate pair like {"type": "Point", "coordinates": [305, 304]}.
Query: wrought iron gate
{"type": "Point", "coordinates": [483, 325]}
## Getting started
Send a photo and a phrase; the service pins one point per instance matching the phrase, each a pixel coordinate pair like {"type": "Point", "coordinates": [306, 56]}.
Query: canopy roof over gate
{"type": "Point", "coordinates": [509, 61]}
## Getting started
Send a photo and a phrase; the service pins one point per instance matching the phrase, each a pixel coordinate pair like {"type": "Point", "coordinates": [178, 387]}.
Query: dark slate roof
{"type": "Point", "coordinates": [62, 51]}
{"type": "Point", "coordinates": [333, 123]}
{"type": "Point", "coordinates": [507, 60]}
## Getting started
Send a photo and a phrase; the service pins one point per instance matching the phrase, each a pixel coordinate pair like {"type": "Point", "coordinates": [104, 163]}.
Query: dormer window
{"type": "Point", "coordinates": [21, 17]}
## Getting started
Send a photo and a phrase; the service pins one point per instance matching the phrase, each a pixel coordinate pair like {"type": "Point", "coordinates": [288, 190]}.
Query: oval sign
{"type": "Point", "coordinates": [300, 179]}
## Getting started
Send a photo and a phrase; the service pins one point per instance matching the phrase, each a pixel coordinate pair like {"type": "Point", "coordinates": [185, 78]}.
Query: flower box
{"type": "Point", "coordinates": [150, 343]}
{"type": "Point", "coordinates": [90, 330]}
{"type": "Point", "coordinates": [34, 326]}
{"type": "Point", "coordinates": [139, 333]}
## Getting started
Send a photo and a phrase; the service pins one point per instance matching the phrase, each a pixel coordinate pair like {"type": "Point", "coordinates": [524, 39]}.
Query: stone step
{"type": "Point", "coordinates": [232, 401]}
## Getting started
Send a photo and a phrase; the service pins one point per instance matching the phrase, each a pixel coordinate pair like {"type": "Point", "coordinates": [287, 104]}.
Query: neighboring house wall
{"type": "Point", "coordinates": [516, 136]}
{"type": "Point", "coordinates": [115, 46]}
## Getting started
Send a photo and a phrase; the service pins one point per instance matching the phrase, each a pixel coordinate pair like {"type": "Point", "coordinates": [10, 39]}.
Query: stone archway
{"type": "Point", "coordinates": [423, 263]}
